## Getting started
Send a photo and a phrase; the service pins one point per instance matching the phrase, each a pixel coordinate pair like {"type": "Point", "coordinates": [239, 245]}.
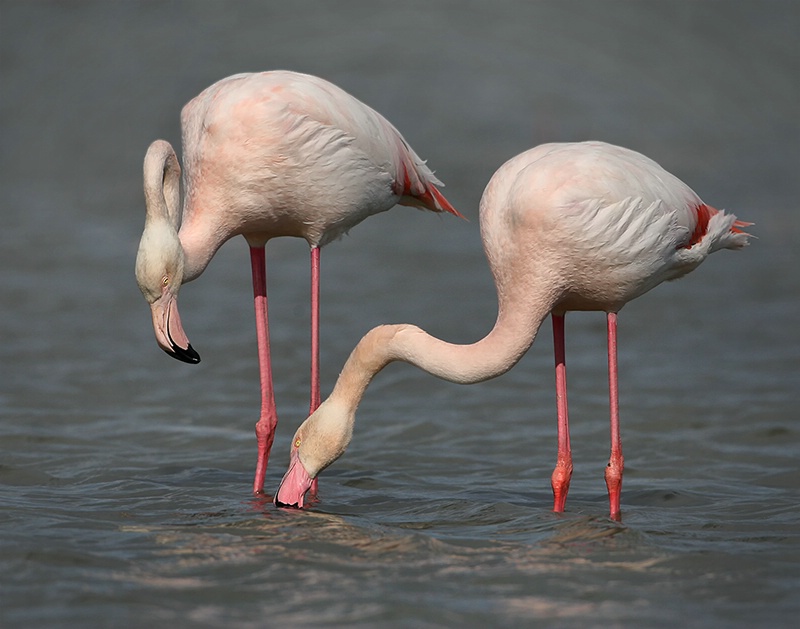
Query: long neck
{"type": "Point", "coordinates": [162, 189]}
{"type": "Point", "coordinates": [167, 219]}
{"type": "Point", "coordinates": [203, 230]}
{"type": "Point", "coordinates": [199, 246]}
{"type": "Point", "coordinates": [519, 317]}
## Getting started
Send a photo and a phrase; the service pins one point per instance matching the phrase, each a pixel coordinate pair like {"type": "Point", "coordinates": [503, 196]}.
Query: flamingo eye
{"type": "Point", "coordinates": [297, 443]}
{"type": "Point", "coordinates": [165, 280]}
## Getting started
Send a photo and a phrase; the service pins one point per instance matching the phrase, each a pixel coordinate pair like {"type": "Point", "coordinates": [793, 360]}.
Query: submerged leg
{"type": "Point", "coordinates": [265, 427]}
{"type": "Point", "coordinates": [315, 388]}
{"type": "Point", "coordinates": [562, 473]}
{"type": "Point", "coordinates": [616, 462]}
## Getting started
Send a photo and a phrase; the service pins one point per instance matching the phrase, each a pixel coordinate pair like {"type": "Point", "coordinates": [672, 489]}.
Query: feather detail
{"type": "Point", "coordinates": [415, 183]}
{"type": "Point", "coordinates": [731, 236]}
{"type": "Point", "coordinates": [418, 192]}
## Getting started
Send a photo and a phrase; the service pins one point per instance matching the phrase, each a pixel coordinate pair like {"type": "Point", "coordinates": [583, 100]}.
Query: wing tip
{"type": "Point", "coordinates": [442, 204]}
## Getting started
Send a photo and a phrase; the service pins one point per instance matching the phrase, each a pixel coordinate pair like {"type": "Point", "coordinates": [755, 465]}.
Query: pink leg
{"type": "Point", "coordinates": [265, 428]}
{"type": "Point", "coordinates": [315, 388]}
{"type": "Point", "coordinates": [616, 462]}
{"type": "Point", "coordinates": [562, 473]}
{"type": "Point", "coordinates": [315, 394]}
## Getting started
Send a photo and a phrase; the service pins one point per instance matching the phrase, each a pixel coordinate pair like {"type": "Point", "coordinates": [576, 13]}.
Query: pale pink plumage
{"type": "Point", "coordinates": [268, 155]}
{"type": "Point", "coordinates": [585, 226]}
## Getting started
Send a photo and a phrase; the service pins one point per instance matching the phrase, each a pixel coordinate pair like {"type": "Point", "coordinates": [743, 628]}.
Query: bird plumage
{"type": "Point", "coordinates": [267, 155]}
{"type": "Point", "coordinates": [573, 226]}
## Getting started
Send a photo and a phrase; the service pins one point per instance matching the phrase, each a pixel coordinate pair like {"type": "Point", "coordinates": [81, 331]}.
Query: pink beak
{"type": "Point", "coordinates": [296, 482]}
{"type": "Point", "coordinates": [169, 331]}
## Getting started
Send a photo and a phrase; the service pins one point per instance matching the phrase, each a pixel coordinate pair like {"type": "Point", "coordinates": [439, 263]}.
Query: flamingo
{"type": "Point", "coordinates": [576, 226]}
{"type": "Point", "coordinates": [267, 155]}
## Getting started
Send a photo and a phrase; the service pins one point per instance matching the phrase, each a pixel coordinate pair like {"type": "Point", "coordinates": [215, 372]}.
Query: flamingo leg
{"type": "Point", "coordinates": [315, 378]}
{"type": "Point", "coordinates": [315, 389]}
{"type": "Point", "coordinates": [616, 463]}
{"type": "Point", "coordinates": [265, 427]}
{"type": "Point", "coordinates": [562, 473]}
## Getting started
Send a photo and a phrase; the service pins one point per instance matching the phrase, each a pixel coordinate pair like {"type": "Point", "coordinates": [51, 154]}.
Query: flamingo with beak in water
{"type": "Point", "coordinates": [580, 226]}
{"type": "Point", "coordinates": [268, 155]}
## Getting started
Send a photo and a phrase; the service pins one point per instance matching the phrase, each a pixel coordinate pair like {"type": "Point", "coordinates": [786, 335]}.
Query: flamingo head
{"type": "Point", "coordinates": [295, 484]}
{"type": "Point", "coordinates": [159, 273]}
{"type": "Point", "coordinates": [161, 258]}
{"type": "Point", "coordinates": [319, 441]}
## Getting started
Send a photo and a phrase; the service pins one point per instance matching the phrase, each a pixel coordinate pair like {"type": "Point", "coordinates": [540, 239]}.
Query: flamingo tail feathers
{"type": "Point", "coordinates": [419, 189]}
{"type": "Point", "coordinates": [434, 200]}
{"type": "Point", "coordinates": [732, 234]}
{"type": "Point", "coordinates": [726, 232]}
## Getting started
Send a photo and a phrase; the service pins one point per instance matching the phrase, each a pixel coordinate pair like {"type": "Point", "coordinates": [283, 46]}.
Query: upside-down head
{"type": "Point", "coordinates": [161, 259]}
{"type": "Point", "coordinates": [321, 439]}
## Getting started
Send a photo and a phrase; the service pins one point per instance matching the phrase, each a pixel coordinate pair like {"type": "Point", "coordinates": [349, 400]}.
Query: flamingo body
{"type": "Point", "coordinates": [267, 155]}
{"type": "Point", "coordinates": [604, 223]}
{"type": "Point", "coordinates": [577, 226]}
{"type": "Point", "coordinates": [286, 154]}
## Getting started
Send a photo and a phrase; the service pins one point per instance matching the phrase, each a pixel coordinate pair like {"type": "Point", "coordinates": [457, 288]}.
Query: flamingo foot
{"type": "Point", "coordinates": [613, 476]}
{"type": "Point", "coordinates": [559, 481]}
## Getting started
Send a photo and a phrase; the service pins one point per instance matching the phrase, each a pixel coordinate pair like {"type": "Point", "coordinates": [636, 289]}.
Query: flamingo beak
{"type": "Point", "coordinates": [296, 482]}
{"type": "Point", "coordinates": [169, 331]}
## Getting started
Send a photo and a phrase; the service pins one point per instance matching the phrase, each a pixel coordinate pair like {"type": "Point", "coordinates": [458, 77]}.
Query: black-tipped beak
{"type": "Point", "coordinates": [187, 355]}
{"type": "Point", "coordinates": [169, 331]}
{"type": "Point", "coordinates": [284, 505]}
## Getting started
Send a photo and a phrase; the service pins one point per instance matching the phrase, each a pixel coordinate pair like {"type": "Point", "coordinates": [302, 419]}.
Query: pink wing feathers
{"type": "Point", "coordinates": [309, 97]}
{"type": "Point", "coordinates": [704, 213]}
{"type": "Point", "coordinates": [415, 184]}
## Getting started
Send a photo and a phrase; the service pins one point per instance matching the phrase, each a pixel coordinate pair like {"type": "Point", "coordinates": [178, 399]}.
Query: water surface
{"type": "Point", "coordinates": [125, 476]}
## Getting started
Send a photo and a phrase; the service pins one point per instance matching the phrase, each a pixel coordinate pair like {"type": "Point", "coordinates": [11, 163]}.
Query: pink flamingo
{"type": "Point", "coordinates": [585, 226]}
{"type": "Point", "coordinates": [267, 155]}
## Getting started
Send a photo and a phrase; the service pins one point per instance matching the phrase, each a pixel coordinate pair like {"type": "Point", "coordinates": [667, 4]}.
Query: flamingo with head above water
{"type": "Point", "coordinates": [267, 155]}
{"type": "Point", "coordinates": [580, 226]}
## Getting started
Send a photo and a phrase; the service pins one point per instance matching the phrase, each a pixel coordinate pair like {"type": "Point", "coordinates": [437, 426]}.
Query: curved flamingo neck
{"type": "Point", "coordinates": [198, 250]}
{"type": "Point", "coordinates": [515, 329]}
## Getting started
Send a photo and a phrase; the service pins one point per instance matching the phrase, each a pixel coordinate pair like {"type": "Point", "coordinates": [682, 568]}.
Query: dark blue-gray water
{"type": "Point", "coordinates": [125, 476]}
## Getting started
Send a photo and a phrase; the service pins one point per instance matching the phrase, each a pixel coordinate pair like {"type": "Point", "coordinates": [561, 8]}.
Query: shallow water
{"type": "Point", "coordinates": [125, 476]}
